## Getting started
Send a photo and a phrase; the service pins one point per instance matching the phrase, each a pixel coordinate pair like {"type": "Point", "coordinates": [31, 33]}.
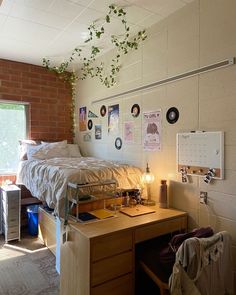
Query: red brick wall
{"type": "Point", "coordinates": [49, 98]}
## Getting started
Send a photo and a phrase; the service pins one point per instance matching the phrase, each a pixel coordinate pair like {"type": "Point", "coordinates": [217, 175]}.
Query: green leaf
{"type": "Point", "coordinates": [108, 19]}
{"type": "Point", "coordinates": [98, 34]}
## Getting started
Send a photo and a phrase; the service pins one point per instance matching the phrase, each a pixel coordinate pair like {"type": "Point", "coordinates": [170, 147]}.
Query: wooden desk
{"type": "Point", "coordinates": [99, 257]}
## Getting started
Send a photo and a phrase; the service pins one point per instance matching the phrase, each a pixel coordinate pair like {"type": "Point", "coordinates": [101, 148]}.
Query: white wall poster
{"type": "Point", "coordinates": [129, 132]}
{"type": "Point", "coordinates": [113, 119]}
{"type": "Point", "coordinates": [152, 131]}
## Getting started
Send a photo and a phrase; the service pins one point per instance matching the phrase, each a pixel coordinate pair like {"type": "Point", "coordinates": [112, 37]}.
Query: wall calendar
{"type": "Point", "coordinates": [201, 153]}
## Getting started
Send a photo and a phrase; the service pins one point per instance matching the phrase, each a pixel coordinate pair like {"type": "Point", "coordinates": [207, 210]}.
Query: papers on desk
{"type": "Point", "coordinates": [137, 210]}
{"type": "Point", "coordinates": [95, 215]}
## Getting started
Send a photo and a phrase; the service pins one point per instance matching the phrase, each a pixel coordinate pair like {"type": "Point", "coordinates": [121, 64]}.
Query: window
{"type": "Point", "coordinates": [13, 126]}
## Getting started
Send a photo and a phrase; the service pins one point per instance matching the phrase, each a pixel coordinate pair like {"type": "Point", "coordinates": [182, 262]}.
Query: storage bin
{"type": "Point", "coordinates": [32, 213]}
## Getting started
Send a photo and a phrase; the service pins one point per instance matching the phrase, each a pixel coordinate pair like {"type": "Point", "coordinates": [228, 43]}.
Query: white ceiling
{"type": "Point", "coordinates": [33, 29]}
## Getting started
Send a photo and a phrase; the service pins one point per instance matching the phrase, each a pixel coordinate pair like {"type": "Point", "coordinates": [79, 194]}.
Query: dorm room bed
{"type": "Point", "coordinates": [47, 179]}
{"type": "Point", "coordinates": [46, 169]}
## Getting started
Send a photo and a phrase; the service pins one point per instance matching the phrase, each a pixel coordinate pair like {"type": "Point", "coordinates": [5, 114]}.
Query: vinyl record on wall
{"type": "Point", "coordinates": [103, 110]}
{"type": "Point", "coordinates": [90, 124]}
{"type": "Point", "coordinates": [172, 115]}
{"type": "Point", "coordinates": [135, 110]}
{"type": "Point", "coordinates": [118, 143]}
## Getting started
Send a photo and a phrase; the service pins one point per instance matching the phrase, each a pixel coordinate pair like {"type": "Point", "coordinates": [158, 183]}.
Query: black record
{"type": "Point", "coordinates": [103, 110]}
{"type": "Point", "coordinates": [118, 143]}
{"type": "Point", "coordinates": [172, 115]}
{"type": "Point", "coordinates": [90, 124]}
{"type": "Point", "coordinates": [135, 110]}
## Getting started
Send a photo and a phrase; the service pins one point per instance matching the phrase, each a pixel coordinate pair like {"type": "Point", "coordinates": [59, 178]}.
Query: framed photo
{"type": "Point", "coordinates": [98, 131]}
{"type": "Point", "coordinates": [135, 110]}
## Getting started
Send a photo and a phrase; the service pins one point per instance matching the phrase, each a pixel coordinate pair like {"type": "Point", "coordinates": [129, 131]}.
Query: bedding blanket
{"type": "Point", "coordinates": [47, 179]}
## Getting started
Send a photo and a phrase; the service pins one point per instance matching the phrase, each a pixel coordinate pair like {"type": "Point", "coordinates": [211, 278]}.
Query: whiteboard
{"type": "Point", "coordinates": [197, 152]}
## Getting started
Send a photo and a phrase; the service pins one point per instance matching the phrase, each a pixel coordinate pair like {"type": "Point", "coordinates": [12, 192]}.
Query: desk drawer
{"type": "Point", "coordinates": [110, 268]}
{"type": "Point", "coordinates": [148, 232]}
{"type": "Point", "coordinates": [122, 285]}
{"type": "Point", "coordinates": [111, 245]}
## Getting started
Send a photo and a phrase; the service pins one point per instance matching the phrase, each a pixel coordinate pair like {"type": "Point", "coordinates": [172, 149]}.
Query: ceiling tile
{"type": "Point", "coordinates": [2, 21]}
{"type": "Point", "coordinates": [28, 32]}
{"type": "Point", "coordinates": [103, 6]}
{"type": "Point", "coordinates": [115, 27]}
{"type": "Point", "coordinates": [32, 29]}
{"type": "Point", "coordinates": [25, 52]}
{"type": "Point", "coordinates": [89, 15]}
{"type": "Point", "coordinates": [39, 16]}
{"type": "Point", "coordinates": [170, 7]}
{"type": "Point", "coordinates": [82, 2]}
{"type": "Point", "coordinates": [150, 20]}
{"type": "Point", "coordinates": [65, 8]}
{"type": "Point", "coordinates": [38, 4]}
{"type": "Point", "coordinates": [162, 7]}
{"type": "Point", "coordinates": [5, 8]}
{"type": "Point", "coordinates": [74, 33]}
{"type": "Point", "coordinates": [136, 14]}
{"type": "Point", "coordinates": [187, 1]}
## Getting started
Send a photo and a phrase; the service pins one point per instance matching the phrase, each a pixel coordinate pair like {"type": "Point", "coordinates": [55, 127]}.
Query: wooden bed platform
{"type": "Point", "coordinates": [47, 229]}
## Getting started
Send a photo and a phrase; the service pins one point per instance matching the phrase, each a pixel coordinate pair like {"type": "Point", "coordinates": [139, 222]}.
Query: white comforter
{"type": "Point", "coordinates": [47, 179]}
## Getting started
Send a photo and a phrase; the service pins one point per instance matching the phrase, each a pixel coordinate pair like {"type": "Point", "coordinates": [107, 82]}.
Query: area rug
{"type": "Point", "coordinates": [23, 273]}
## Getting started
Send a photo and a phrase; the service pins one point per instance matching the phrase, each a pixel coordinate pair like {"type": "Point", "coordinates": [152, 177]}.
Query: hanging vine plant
{"type": "Point", "coordinates": [123, 43]}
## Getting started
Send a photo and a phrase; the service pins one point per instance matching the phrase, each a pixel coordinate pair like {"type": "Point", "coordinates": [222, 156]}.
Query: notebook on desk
{"type": "Point", "coordinates": [137, 210]}
{"type": "Point", "coordinates": [102, 213]}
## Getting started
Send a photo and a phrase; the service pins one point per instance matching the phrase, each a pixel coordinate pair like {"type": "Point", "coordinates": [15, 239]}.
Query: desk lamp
{"type": "Point", "coordinates": [148, 178]}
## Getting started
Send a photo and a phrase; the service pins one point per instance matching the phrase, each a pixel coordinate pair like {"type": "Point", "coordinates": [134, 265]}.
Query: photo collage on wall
{"type": "Point", "coordinates": [86, 124]}
{"type": "Point", "coordinates": [151, 126]}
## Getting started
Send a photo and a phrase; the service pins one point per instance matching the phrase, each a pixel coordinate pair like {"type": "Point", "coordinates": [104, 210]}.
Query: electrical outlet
{"type": "Point", "coordinates": [203, 197]}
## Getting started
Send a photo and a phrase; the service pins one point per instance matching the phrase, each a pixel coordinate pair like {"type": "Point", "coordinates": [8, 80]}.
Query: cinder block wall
{"type": "Point", "coordinates": [200, 34]}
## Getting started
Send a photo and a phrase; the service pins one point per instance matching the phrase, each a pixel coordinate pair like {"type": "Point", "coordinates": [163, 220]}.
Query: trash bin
{"type": "Point", "coordinates": [32, 212]}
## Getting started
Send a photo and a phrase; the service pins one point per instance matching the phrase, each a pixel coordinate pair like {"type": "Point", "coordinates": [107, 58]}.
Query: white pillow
{"type": "Point", "coordinates": [57, 143]}
{"type": "Point", "coordinates": [49, 150]}
{"type": "Point", "coordinates": [73, 150]}
{"type": "Point", "coordinates": [31, 150]}
{"type": "Point", "coordinates": [24, 143]}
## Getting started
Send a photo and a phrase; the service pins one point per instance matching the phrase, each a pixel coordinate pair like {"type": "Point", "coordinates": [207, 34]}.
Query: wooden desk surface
{"type": "Point", "coordinates": [123, 222]}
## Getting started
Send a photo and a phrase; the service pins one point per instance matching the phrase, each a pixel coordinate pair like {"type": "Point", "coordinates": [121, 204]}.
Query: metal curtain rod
{"type": "Point", "coordinates": [224, 63]}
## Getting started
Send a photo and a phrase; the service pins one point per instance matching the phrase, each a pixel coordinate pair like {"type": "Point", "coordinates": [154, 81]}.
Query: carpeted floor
{"type": "Point", "coordinates": [27, 268]}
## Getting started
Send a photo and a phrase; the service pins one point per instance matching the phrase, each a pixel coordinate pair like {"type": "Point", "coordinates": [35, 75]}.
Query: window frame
{"type": "Point", "coordinates": [27, 127]}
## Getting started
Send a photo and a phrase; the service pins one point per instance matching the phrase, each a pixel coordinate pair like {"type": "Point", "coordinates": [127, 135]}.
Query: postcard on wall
{"type": "Point", "coordinates": [129, 132]}
{"type": "Point", "coordinates": [98, 131]}
{"type": "Point", "coordinates": [87, 137]}
{"type": "Point", "coordinates": [82, 119]}
{"type": "Point", "coordinates": [113, 119]}
{"type": "Point", "coordinates": [92, 115]}
{"type": "Point", "coordinates": [152, 131]}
